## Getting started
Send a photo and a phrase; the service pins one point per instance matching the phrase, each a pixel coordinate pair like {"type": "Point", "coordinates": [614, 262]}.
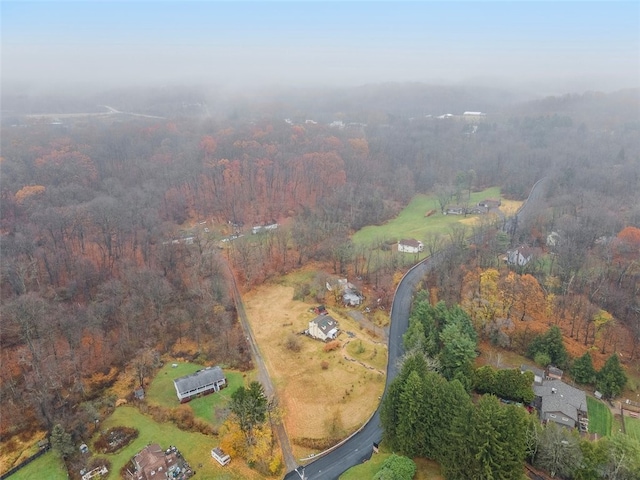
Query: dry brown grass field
{"type": "Point", "coordinates": [323, 394]}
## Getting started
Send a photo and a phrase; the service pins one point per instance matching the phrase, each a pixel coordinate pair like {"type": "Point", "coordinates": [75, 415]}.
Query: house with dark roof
{"type": "Point", "coordinates": [561, 403]}
{"type": "Point", "coordinates": [323, 327]}
{"type": "Point", "coordinates": [203, 382]}
{"type": "Point", "coordinates": [154, 463]}
{"type": "Point", "coordinates": [410, 246]}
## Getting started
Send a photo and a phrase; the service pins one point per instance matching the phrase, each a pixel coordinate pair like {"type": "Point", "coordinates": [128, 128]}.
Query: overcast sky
{"type": "Point", "coordinates": [562, 45]}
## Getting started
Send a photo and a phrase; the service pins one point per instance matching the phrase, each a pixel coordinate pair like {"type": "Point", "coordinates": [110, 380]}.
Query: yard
{"type": "Point", "coordinates": [323, 394]}
{"type": "Point", "coordinates": [632, 427]}
{"type": "Point", "coordinates": [195, 447]}
{"type": "Point", "coordinates": [162, 391]}
{"type": "Point", "coordinates": [47, 467]}
{"type": "Point", "coordinates": [600, 417]}
{"type": "Point", "coordinates": [426, 469]}
{"type": "Point", "coordinates": [412, 223]}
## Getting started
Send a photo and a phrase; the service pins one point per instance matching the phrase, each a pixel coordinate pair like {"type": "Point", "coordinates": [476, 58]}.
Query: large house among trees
{"type": "Point", "coordinates": [207, 380]}
{"type": "Point", "coordinates": [561, 403]}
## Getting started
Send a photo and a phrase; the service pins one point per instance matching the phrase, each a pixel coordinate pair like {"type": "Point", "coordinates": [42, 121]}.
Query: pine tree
{"type": "Point", "coordinates": [61, 441]}
{"type": "Point", "coordinates": [582, 370]}
{"type": "Point", "coordinates": [611, 379]}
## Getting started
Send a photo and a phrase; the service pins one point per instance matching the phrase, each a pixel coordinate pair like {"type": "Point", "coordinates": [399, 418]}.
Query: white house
{"type": "Point", "coordinates": [207, 380]}
{"type": "Point", "coordinates": [323, 327]}
{"type": "Point", "coordinates": [410, 246]}
{"type": "Point", "coordinates": [519, 256]}
{"type": "Point", "coordinates": [221, 457]}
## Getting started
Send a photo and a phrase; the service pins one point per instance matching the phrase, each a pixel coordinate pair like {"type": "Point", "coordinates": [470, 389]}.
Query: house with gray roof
{"type": "Point", "coordinates": [203, 382]}
{"type": "Point", "coordinates": [561, 403]}
{"type": "Point", "coordinates": [538, 373]}
{"type": "Point", "coordinates": [323, 327]}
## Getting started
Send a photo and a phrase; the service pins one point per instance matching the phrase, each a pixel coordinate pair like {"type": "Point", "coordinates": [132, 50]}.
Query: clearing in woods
{"type": "Point", "coordinates": [324, 395]}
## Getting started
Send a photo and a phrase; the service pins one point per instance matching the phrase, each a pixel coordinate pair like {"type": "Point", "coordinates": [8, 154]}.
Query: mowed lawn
{"type": "Point", "coordinates": [632, 427]}
{"type": "Point", "coordinates": [47, 467]}
{"type": "Point", "coordinates": [162, 391]}
{"type": "Point", "coordinates": [195, 447]}
{"type": "Point", "coordinates": [412, 223]}
{"type": "Point", "coordinates": [600, 417]}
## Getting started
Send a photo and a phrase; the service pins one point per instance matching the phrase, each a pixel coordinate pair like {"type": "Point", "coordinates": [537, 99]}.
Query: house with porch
{"type": "Point", "coordinates": [203, 382]}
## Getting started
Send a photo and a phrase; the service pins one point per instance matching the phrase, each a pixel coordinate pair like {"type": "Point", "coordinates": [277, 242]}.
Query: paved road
{"type": "Point", "coordinates": [359, 447]}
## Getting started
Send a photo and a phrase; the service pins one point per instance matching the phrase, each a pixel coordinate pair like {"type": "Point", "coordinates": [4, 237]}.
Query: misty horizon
{"type": "Point", "coordinates": [543, 48]}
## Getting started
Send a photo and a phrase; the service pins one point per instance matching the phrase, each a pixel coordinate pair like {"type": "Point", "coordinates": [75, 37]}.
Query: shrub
{"type": "Point", "coordinates": [324, 364]}
{"type": "Point", "coordinates": [293, 343]}
{"type": "Point", "coordinates": [331, 346]}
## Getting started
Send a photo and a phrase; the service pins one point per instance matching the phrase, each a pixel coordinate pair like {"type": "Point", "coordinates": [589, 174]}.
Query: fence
{"type": "Point", "coordinates": [26, 462]}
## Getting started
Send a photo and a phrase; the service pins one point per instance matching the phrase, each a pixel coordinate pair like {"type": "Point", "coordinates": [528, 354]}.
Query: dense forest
{"type": "Point", "coordinates": [111, 224]}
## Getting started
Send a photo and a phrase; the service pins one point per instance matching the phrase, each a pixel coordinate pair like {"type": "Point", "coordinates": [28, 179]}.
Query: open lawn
{"type": "Point", "coordinates": [195, 447]}
{"type": "Point", "coordinates": [600, 417]}
{"type": "Point", "coordinates": [412, 222]}
{"type": "Point", "coordinates": [162, 391]}
{"type": "Point", "coordinates": [322, 394]}
{"type": "Point", "coordinates": [632, 427]}
{"type": "Point", "coordinates": [47, 467]}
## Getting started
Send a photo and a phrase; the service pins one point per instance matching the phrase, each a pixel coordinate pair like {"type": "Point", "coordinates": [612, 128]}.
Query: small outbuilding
{"type": "Point", "coordinates": [221, 457]}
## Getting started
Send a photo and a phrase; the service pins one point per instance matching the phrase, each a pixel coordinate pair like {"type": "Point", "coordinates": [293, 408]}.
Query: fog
{"type": "Point", "coordinates": [543, 48]}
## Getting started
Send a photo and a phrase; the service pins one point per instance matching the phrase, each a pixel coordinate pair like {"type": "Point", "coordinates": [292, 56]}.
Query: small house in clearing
{"type": "Point", "coordinates": [323, 327]}
{"type": "Point", "coordinates": [221, 457]}
{"type": "Point", "coordinates": [410, 246]}
{"type": "Point", "coordinates": [490, 203]}
{"type": "Point", "coordinates": [205, 381]}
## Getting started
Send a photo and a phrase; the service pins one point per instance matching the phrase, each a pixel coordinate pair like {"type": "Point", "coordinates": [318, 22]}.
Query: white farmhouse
{"type": "Point", "coordinates": [323, 327]}
{"type": "Point", "coordinates": [410, 246]}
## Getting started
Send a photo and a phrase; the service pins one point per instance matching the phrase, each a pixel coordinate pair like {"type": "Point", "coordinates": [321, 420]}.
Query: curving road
{"type": "Point", "coordinates": [359, 447]}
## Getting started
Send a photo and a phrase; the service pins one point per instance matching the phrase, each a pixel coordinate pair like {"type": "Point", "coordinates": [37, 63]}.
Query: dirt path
{"type": "Point", "coordinates": [263, 376]}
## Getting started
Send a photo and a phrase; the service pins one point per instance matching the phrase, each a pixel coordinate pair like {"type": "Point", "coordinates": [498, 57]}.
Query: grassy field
{"type": "Point", "coordinates": [195, 447]}
{"type": "Point", "coordinates": [47, 467]}
{"type": "Point", "coordinates": [600, 417]}
{"type": "Point", "coordinates": [162, 392]}
{"type": "Point", "coordinates": [412, 223]}
{"type": "Point", "coordinates": [632, 427]}
{"type": "Point", "coordinates": [323, 394]}
{"type": "Point", "coordinates": [367, 352]}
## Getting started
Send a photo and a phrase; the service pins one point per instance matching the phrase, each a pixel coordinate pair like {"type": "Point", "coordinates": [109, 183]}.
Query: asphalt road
{"type": "Point", "coordinates": [359, 447]}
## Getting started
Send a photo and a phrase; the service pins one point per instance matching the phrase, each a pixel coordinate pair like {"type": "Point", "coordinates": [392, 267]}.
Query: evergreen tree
{"type": "Point", "coordinates": [411, 421]}
{"type": "Point", "coordinates": [550, 344]}
{"type": "Point", "coordinates": [249, 406]}
{"type": "Point", "coordinates": [611, 379]}
{"type": "Point", "coordinates": [457, 352]}
{"type": "Point", "coordinates": [489, 441]}
{"type": "Point", "coordinates": [582, 370]}
{"type": "Point", "coordinates": [61, 441]}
